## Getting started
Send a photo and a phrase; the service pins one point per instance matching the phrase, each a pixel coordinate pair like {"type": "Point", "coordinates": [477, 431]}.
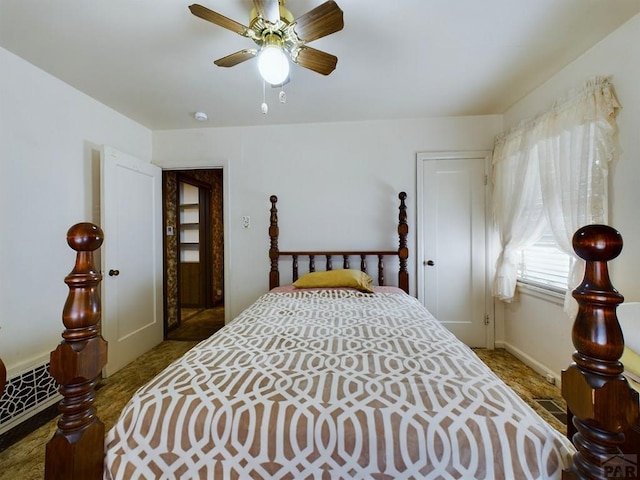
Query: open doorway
{"type": "Point", "coordinates": [194, 253]}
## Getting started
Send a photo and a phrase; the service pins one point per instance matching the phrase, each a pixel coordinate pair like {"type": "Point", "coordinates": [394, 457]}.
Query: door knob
{"type": "Point", "coordinates": [114, 273]}
{"type": "Point", "coordinates": [429, 262]}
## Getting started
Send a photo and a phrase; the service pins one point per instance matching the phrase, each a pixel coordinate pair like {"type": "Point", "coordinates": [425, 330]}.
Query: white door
{"type": "Point", "coordinates": [132, 320]}
{"type": "Point", "coordinates": [452, 245]}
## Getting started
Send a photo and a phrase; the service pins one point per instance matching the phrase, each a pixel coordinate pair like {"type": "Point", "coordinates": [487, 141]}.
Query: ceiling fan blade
{"type": "Point", "coordinates": [268, 9]}
{"type": "Point", "coordinates": [218, 19]}
{"type": "Point", "coordinates": [236, 58]}
{"type": "Point", "coordinates": [323, 20]}
{"type": "Point", "coordinates": [316, 60]}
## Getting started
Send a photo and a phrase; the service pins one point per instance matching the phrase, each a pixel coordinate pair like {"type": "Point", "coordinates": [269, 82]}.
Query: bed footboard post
{"type": "Point", "coordinates": [3, 377]}
{"type": "Point", "coordinates": [403, 250]}
{"type": "Point", "coordinates": [274, 253]}
{"type": "Point", "coordinates": [602, 403]}
{"type": "Point", "coordinates": [76, 450]}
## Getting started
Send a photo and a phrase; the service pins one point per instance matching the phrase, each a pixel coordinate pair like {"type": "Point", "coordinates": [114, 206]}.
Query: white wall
{"type": "Point", "coordinates": [337, 184]}
{"type": "Point", "coordinates": [49, 135]}
{"type": "Point", "coordinates": [615, 56]}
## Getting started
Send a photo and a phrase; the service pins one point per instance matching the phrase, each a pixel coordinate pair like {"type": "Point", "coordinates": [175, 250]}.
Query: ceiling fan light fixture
{"type": "Point", "coordinates": [273, 64]}
{"type": "Point", "coordinates": [280, 37]}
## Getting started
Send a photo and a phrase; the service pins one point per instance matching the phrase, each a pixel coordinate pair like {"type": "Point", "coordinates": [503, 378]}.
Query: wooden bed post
{"type": "Point", "coordinates": [76, 450]}
{"type": "Point", "coordinates": [602, 403]}
{"type": "Point", "coordinates": [3, 377]}
{"type": "Point", "coordinates": [274, 232]}
{"type": "Point", "coordinates": [403, 250]}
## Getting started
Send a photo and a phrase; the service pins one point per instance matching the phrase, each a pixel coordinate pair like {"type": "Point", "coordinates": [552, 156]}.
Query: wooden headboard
{"type": "Point", "coordinates": [402, 252]}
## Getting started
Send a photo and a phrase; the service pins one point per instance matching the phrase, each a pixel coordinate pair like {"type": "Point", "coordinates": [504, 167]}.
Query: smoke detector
{"type": "Point", "coordinates": [200, 116]}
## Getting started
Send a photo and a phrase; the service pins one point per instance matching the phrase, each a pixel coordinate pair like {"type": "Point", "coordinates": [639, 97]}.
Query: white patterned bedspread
{"type": "Point", "coordinates": [332, 385]}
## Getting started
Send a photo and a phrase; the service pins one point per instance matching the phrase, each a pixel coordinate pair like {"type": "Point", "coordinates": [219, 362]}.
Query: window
{"type": "Point", "coordinates": [544, 265]}
{"type": "Point", "coordinates": [552, 170]}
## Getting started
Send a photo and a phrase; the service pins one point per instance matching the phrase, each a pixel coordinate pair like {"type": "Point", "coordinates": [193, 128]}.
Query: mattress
{"type": "Point", "coordinates": [332, 384]}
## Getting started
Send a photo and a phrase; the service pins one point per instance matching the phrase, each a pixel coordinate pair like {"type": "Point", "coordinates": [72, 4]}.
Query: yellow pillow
{"type": "Point", "coordinates": [336, 279]}
{"type": "Point", "coordinates": [631, 361]}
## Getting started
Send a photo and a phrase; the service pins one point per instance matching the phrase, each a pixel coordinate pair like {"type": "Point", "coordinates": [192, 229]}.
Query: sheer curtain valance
{"type": "Point", "coordinates": [552, 170]}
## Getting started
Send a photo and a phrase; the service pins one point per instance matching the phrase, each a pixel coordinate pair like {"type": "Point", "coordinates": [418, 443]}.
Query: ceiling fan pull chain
{"type": "Point", "coordinates": [264, 107]}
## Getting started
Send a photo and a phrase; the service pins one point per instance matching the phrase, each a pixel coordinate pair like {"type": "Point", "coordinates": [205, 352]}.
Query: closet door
{"type": "Point", "coordinates": [452, 245]}
{"type": "Point", "coordinates": [131, 191]}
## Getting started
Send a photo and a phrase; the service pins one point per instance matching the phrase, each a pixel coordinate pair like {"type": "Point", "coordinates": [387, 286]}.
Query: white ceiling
{"type": "Point", "coordinates": [152, 60]}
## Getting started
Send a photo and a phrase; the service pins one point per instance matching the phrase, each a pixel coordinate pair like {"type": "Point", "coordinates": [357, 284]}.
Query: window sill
{"type": "Point", "coordinates": [541, 292]}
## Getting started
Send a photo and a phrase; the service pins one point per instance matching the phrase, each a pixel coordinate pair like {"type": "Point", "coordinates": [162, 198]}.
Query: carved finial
{"type": "Point", "coordinates": [85, 237]}
{"type": "Point", "coordinates": [598, 243]}
{"type": "Point", "coordinates": [596, 333]}
{"type": "Point", "coordinates": [80, 310]}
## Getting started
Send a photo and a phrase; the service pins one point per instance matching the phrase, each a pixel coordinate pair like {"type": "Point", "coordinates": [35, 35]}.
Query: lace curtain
{"type": "Point", "coordinates": [553, 169]}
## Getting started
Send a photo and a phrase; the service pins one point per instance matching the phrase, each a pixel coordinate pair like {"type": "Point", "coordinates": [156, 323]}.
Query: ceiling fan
{"type": "Point", "coordinates": [275, 31]}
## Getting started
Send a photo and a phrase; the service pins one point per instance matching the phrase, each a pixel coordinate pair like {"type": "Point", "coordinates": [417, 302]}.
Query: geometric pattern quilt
{"type": "Point", "coordinates": [332, 384]}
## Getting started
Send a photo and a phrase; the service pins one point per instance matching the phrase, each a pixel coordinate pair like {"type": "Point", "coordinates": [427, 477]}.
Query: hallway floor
{"type": "Point", "coordinates": [198, 324]}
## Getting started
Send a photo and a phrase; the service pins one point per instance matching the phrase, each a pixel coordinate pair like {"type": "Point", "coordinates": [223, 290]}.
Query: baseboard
{"type": "Point", "coordinates": [531, 362]}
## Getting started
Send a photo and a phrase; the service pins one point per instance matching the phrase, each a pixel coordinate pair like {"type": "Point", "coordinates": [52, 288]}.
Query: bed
{"type": "Point", "coordinates": [333, 381]}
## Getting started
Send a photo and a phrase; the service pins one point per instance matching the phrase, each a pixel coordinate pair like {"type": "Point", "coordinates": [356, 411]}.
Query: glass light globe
{"type": "Point", "coordinates": [273, 65]}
